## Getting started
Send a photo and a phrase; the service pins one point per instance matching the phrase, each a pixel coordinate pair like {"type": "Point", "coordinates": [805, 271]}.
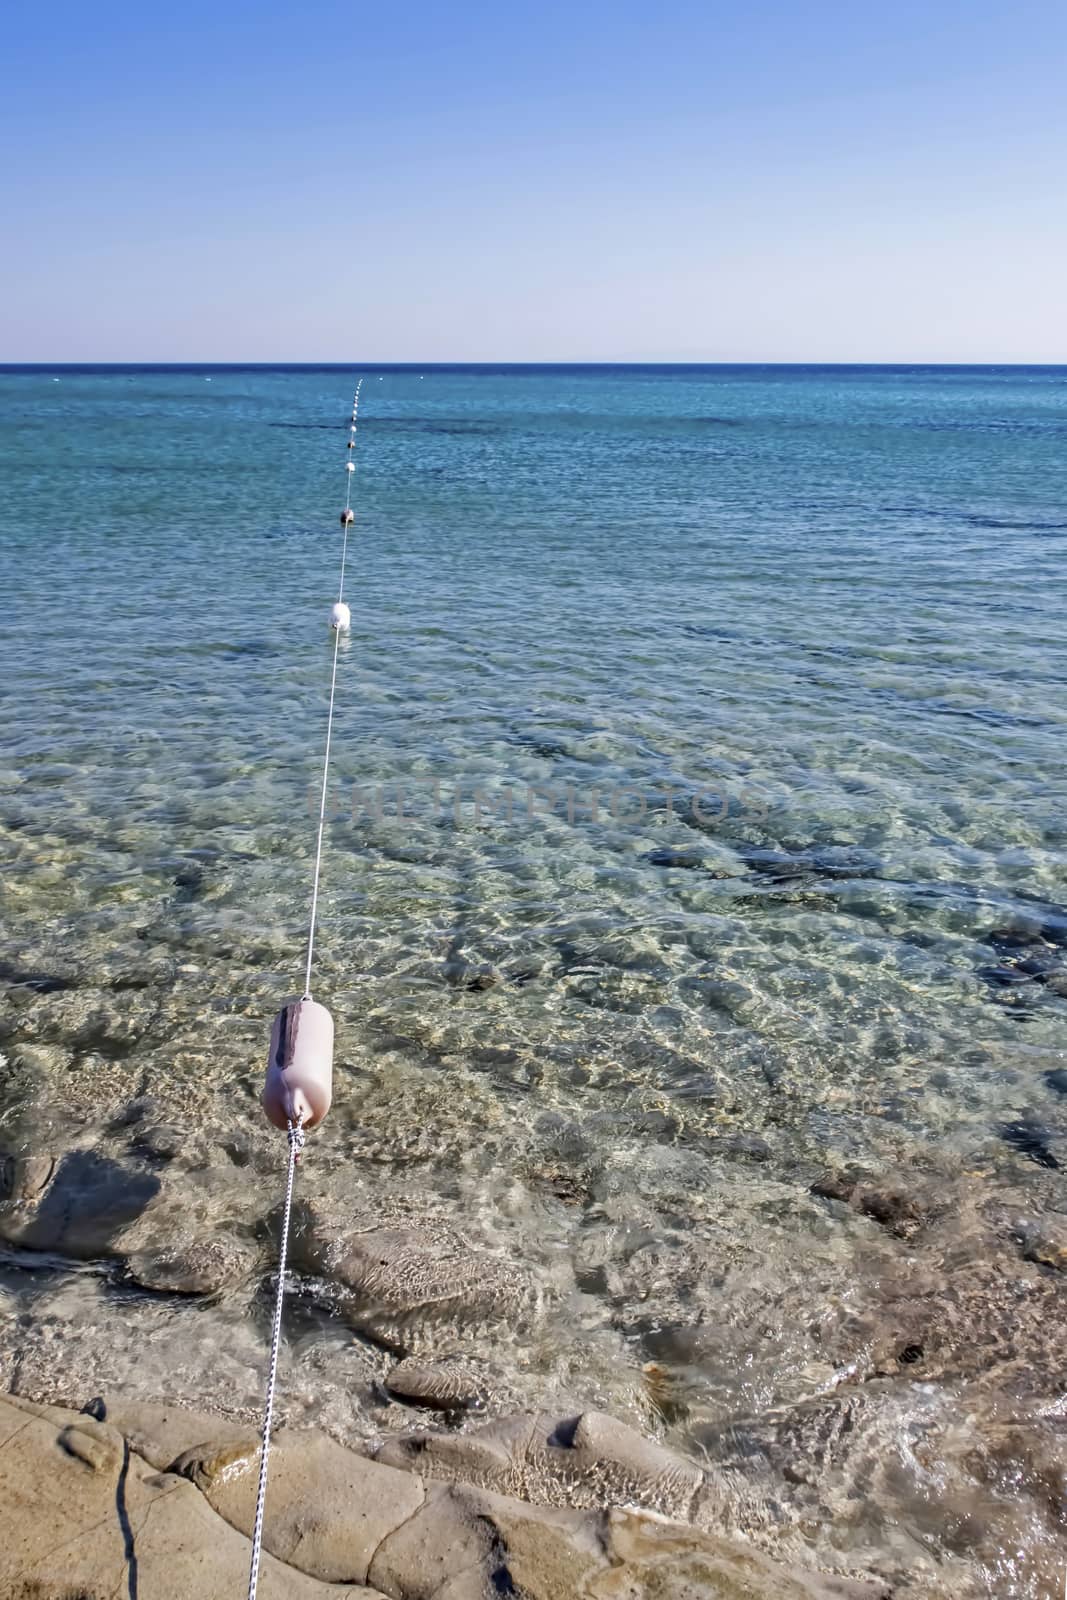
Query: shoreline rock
{"type": "Point", "coordinates": [94, 1505]}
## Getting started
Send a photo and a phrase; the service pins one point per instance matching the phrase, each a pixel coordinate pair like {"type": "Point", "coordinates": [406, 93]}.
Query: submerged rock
{"type": "Point", "coordinates": [750, 1146]}
{"type": "Point", "coordinates": [475, 976]}
{"type": "Point", "coordinates": [1044, 1240]}
{"type": "Point", "coordinates": [892, 1208]}
{"type": "Point", "coordinates": [970, 1312]}
{"type": "Point", "coordinates": [409, 1284]}
{"type": "Point", "coordinates": [818, 861]}
{"type": "Point", "coordinates": [443, 1385]}
{"type": "Point", "coordinates": [1003, 1492]}
{"type": "Point", "coordinates": [1030, 1139]}
{"type": "Point", "coordinates": [197, 1268]}
{"type": "Point", "coordinates": [895, 1208]}
{"type": "Point", "coordinates": [692, 860]}
{"type": "Point", "coordinates": [82, 1208]}
{"type": "Point", "coordinates": [38, 982]}
{"type": "Point", "coordinates": [1006, 941]}
{"type": "Point", "coordinates": [836, 1186]}
{"type": "Point", "coordinates": [145, 1105]}
{"type": "Point", "coordinates": [24, 1178]}
{"type": "Point", "coordinates": [1002, 977]}
{"type": "Point", "coordinates": [163, 1141]}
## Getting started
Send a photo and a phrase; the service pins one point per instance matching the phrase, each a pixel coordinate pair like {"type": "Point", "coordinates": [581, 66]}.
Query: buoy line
{"type": "Point", "coordinates": [299, 1082]}
{"type": "Point", "coordinates": [340, 620]}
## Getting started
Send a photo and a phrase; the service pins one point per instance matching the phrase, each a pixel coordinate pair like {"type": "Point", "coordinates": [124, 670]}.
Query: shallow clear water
{"type": "Point", "coordinates": [696, 731]}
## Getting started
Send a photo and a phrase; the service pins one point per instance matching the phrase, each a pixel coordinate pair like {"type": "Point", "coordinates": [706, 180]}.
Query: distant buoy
{"type": "Point", "coordinates": [340, 617]}
{"type": "Point", "coordinates": [347, 518]}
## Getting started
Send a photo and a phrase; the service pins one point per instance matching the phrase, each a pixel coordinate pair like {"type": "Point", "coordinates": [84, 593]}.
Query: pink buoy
{"type": "Point", "coordinates": [299, 1083]}
{"type": "Point", "coordinates": [347, 518]}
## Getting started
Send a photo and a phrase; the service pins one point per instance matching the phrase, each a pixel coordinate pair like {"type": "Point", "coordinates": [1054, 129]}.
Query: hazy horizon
{"type": "Point", "coordinates": [224, 365]}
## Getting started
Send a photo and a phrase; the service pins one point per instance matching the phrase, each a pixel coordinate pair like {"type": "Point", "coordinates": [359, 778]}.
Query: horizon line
{"type": "Point", "coordinates": [6, 366]}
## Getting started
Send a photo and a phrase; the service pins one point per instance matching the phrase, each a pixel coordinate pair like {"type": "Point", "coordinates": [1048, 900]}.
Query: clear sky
{"type": "Point", "coordinates": [599, 180]}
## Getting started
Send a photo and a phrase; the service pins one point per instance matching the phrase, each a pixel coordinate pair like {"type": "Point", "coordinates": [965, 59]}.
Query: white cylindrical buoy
{"type": "Point", "coordinates": [340, 617]}
{"type": "Point", "coordinates": [347, 518]}
{"type": "Point", "coordinates": [299, 1082]}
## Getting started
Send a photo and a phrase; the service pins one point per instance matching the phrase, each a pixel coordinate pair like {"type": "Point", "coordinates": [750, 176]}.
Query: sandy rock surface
{"type": "Point", "coordinates": [121, 1501]}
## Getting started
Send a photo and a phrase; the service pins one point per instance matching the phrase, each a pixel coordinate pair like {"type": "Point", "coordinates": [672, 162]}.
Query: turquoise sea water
{"type": "Point", "coordinates": [699, 790]}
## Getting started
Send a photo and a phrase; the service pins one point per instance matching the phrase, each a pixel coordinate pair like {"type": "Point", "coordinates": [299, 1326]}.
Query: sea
{"type": "Point", "coordinates": [695, 868]}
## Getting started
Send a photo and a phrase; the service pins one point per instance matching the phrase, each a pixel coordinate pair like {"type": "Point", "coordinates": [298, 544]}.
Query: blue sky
{"type": "Point", "coordinates": [598, 181]}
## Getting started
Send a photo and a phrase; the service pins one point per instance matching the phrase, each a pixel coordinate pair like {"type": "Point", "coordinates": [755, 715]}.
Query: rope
{"type": "Point", "coordinates": [349, 475]}
{"type": "Point", "coordinates": [296, 1144]}
{"type": "Point", "coordinates": [296, 1133]}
